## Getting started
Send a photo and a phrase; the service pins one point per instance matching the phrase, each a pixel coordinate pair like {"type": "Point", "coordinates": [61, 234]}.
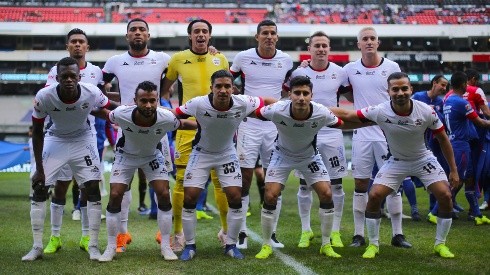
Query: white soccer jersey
{"type": "Point", "coordinates": [139, 140]}
{"type": "Point", "coordinates": [297, 138]}
{"type": "Point", "coordinates": [68, 120]}
{"type": "Point", "coordinates": [132, 70]}
{"type": "Point", "coordinates": [262, 76]}
{"type": "Point", "coordinates": [370, 87]}
{"type": "Point", "coordinates": [326, 84]}
{"type": "Point", "coordinates": [216, 128]}
{"type": "Point", "coordinates": [90, 74]}
{"type": "Point", "coordinates": [404, 134]}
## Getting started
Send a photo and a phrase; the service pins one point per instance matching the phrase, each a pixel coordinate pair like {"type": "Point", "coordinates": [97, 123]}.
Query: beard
{"type": "Point", "coordinates": [137, 46]}
{"type": "Point", "coordinates": [145, 113]}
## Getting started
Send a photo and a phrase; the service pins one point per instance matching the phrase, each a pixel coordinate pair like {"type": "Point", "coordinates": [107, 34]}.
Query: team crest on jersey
{"type": "Point", "coordinates": [85, 105]}
{"type": "Point", "coordinates": [92, 75]}
{"type": "Point", "coordinates": [383, 73]}
{"type": "Point", "coordinates": [279, 65]}
{"type": "Point", "coordinates": [314, 124]}
{"type": "Point", "coordinates": [158, 131]}
{"type": "Point", "coordinates": [216, 61]}
{"type": "Point", "coordinates": [238, 114]}
{"type": "Point", "coordinates": [153, 62]}
{"type": "Point", "coordinates": [334, 76]}
{"type": "Point", "coordinates": [468, 107]}
{"type": "Point", "coordinates": [418, 122]}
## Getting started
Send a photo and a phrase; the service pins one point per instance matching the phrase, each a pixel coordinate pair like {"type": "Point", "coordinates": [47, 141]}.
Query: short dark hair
{"type": "Point", "coordinates": [300, 80]}
{"type": "Point", "coordinates": [65, 61]}
{"type": "Point", "coordinates": [146, 86]}
{"type": "Point", "coordinates": [317, 34]}
{"type": "Point", "coordinates": [189, 27]}
{"type": "Point", "coordinates": [220, 74]}
{"type": "Point", "coordinates": [436, 79]}
{"type": "Point", "coordinates": [137, 20]}
{"type": "Point", "coordinates": [472, 73]}
{"type": "Point", "coordinates": [75, 31]}
{"type": "Point", "coordinates": [266, 22]}
{"type": "Point", "coordinates": [397, 75]}
{"type": "Point", "coordinates": [458, 79]}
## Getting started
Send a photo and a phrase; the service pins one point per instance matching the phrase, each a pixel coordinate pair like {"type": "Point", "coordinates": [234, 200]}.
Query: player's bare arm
{"type": "Point", "coordinates": [165, 88]}
{"type": "Point", "coordinates": [481, 122]}
{"type": "Point", "coordinates": [447, 151]}
{"type": "Point", "coordinates": [187, 124]}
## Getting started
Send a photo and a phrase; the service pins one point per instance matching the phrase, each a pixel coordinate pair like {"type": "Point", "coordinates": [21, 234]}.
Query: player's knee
{"type": "Point", "coordinates": [325, 195]}
{"type": "Point", "coordinates": [93, 192]}
{"type": "Point", "coordinates": [271, 198]}
{"type": "Point", "coordinates": [375, 198]}
{"type": "Point", "coordinates": [361, 185]}
{"type": "Point", "coordinates": [234, 198]}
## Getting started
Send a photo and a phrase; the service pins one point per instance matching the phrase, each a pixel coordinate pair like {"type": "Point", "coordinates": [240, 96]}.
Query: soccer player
{"type": "Point", "coordinates": [144, 125]}
{"type": "Point", "coordinates": [398, 118]}
{"type": "Point", "coordinates": [298, 121]}
{"type": "Point", "coordinates": [327, 78]}
{"type": "Point", "coordinates": [77, 45]}
{"type": "Point", "coordinates": [193, 69]}
{"type": "Point", "coordinates": [368, 77]}
{"type": "Point", "coordinates": [458, 113]}
{"type": "Point", "coordinates": [68, 140]}
{"type": "Point", "coordinates": [264, 70]}
{"type": "Point", "coordinates": [130, 68]}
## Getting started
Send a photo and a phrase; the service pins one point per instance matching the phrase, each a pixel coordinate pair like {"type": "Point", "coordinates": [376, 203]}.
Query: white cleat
{"type": "Point", "coordinates": [108, 255]}
{"type": "Point", "coordinates": [222, 238]}
{"type": "Point", "coordinates": [275, 243]}
{"type": "Point", "coordinates": [34, 254]}
{"type": "Point", "coordinates": [168, 254]}
{"type": "Point", "coordinates": [242, 240]}
{"type": "Point", "coordinates": [94, 253]}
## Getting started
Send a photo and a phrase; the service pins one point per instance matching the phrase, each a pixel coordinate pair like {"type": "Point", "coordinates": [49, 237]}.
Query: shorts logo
{"type": "Point", "coordinates": [238, 177]}
{"type": "Point", "coordinates": [271, 173]}
{"type": "Point", "coordinates": [379, 175]}
{"type": "Point", "coordinates": [241, 157]}
{"type": "Point", "coordinates": [116, 172]}
{"type": "Point", "coordinates": [324, 173]}
{"type": "Point", "coordinates": [341, 169]}
{"type": "Point", "coordinates": [95, 169]}
{"type": "Point", "coordinates": [188, 176]}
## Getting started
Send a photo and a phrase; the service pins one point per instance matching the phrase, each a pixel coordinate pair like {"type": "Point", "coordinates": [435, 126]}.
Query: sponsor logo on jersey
{"type": "Point", "coordinates": [92, 75]}
{"type": "Point", "coordinates": [56, 109]}
{"type": "Point", "coordinates": [201, 59]}
{"type": "Point", "coordinates": [207, 114]}
{"type": "Point", "coordinates": [125, 63]}
{"type": "Point", "coordinates": [128, 129]}
{"type": "Point", "coordinates": [71, 108]}
{"type": "Point", "coordinates": [187, 62]}
{"type": "Point", "coordinates": [139, 63]}
{"type": "Point", "coordinates": [282, 123]}
{"type": "Point", "coordinates": [253, 63]}
{"type": "Point", "coordinates": [266, 64]}
{"type": "Point", "coordinates": [320, 76]}
{"type": "Point", "coordinates": [144, 131]}
{"type": "Point", "coordinates": [216, 61]}
{"type": "Point", "coordinates": [298, 125]}
{"type": "Point", "coordinates": [370, 73]}
{"type": "Point", "coordinates": [402, 122]}
{"type": "Point", "coordinates": [222, 116]}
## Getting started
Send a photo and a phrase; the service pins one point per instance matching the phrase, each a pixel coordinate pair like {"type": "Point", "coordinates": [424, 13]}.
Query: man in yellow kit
{"type": "Point", "coordinates": [193, 69]}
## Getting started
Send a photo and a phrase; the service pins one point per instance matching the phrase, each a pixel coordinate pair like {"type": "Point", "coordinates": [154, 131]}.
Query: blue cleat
{"type": "Point", "coordinates": [233, 252]}
{"type": "Point", "coordinates": [188, 253]}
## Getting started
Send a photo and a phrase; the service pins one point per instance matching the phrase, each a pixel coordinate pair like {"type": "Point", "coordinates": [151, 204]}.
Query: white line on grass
{"type": "Point", "coordinates": [287, 260]}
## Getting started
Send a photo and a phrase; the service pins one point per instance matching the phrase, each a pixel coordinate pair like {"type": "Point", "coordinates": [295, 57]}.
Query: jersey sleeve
{"type": "Point", "coordinates": [114, 114]}
{"type": "Point", "coordinates": [266, 112]}
{"type": "Point", "coordinates": [369, 113]}
{"type": "Point", "coordinates": [469, 111]}
{"type": "Point", "coordinates": [38, 110]}
{"type": "Point", "coordinates": [436, 124]}
{"type": "Point", "coordinates": [108, 71]}
{"type": "Point", "coordinates": [332, 120]}
{"type": "Point", "coordinates": [172, 123]}
{"type": "Point", "coordinates": [235, 68]}
{"type": "Point", "coordinates": [172, 72]}
{"type": "Point", "coordinates": [480, 98]}
{"type": "Point", "coordinates": [102, 101]}
{"type": "Point", "coordinates": [189, 108]}
{"type": "Point", "coordinates": [253, 103]}
{"type": "Point", "coordinates": [51, 77]}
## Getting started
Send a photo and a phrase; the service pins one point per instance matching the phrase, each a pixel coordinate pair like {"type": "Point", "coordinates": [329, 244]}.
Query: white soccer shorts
{"type": "Point", "coordinates": [365, 154]}
{"type": "Point", "coordinates": [253, 142]}
{"type": "Point", "coordinates": [125, 166]}
{"type": "Point", "coordinates": [332, 150]}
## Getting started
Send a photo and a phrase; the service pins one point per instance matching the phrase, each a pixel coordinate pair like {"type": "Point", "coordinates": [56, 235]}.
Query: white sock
{"type": "Point", "coordinates": [326, 220]}
{"type": "Point", "coordinates": [267, 221]}
{"type": "Point", "coordinates": [373, 230]}
{"type": "Point", "coordinates": [56, 218]}
{"type": "Point", "coordinates": [126, 202]}
{"type": "Point", "coordinates": [112, 221]}
{"type": "Point", "coordinates": [442, 229]}
{"type": "Point", "coordinates": [359, 203]}
{"type": "Point", "coordinates": [94, 211]}
{"type": "Point", "coordinates": [394, 205]}
{"type": "Point", "coordinates": [164, 219]}
{"type": "Point", "coordinates": [338, 196]}
{"type": "Point", "coordinates": [305, 199]}
{"type": "Point", "coordinates": [245, 202]}
{"type": "Point", "coordinates": [189, 221]}
{"type": "Point", "coordinates": [277, 212]}
{"type": "Point", "coordinates": [234, 220]}
{"type": "Point", "coordinates": [38, 214]}
{"type": "Point", "coordinates": [84, 220]}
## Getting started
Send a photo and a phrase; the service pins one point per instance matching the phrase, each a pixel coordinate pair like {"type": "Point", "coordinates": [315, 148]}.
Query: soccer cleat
{"type": "Point", "coordinates": [109, 254]}
{"type": "Point", "coordinates": [188, 253]}
{"type": "Point", "coordinates": [484, 205]}
{"type": "Point", "coordinates": [178, 242]}
{"type": "Point", "coordinates": [431, 218]}
{"type": "Point", "coordinates": [485, 219]}
{"type": "Point", "coordinates": [371, 252]}
{"type": "Point", "coordinates": [232, 251]}
{"type": "Point", "coordinates": [158, 237]}
{"type": "Point", "coordinates": [102, 217]}
{"type": "Point", "coordinates": [34, 254]}
{"type": "Point", "coordinates": [143, 210]}
{"type": "Point", "coordinates": [478, 221]}
{"type": "Point", "coordinates": [443, 251]}
{"type": "Point", "coordinates": [358, 241]}
{"type": "Point", "coordinates": [275, 242]}
{"type": "Point", "coordinates": [94, 253]}
{"type": "Point", "coordinates": [335, 239]}
{"type": "Point", "coordinates": [242, 240]}
{"type": "Point", "coordinates": [222, 237]}
{"type": "Point", "coordinates": [76, 215]}
{"type": "Point", "coordinates": [200, 214]}
{"type": "Point", "coordinates": [457, 208]}
{"type": "Point", "coordinates": [328, 251]}
{"type": "Point", "coordinates": [415, 216]}
{"type": "Point", "coordinates": [265, 252]}
{"type": "Point", "coordinates": [122, 240]}
{"type": "Point", "coordinates": [53, 245]}
{"type": "Point", "coordinates": [168, 254]}
{"type": "Point", "coordinates": [84, 243]}
{"type": "Point", "coordinates": [306, 237]}
{"type": "Point", "coordinates": [249, 213]}
{"type": "Point", "coordinates": [399, 241]}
